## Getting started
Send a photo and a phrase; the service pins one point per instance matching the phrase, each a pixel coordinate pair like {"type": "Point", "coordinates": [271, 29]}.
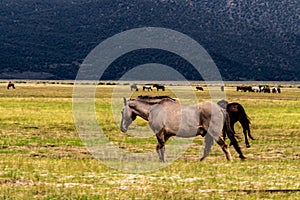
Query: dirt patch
{"type": "Point", "coordinates": [50, 151]}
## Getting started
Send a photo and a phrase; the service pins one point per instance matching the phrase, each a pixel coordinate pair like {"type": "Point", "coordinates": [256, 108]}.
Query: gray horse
{"type": "Point", "coordinates": [168, 118]}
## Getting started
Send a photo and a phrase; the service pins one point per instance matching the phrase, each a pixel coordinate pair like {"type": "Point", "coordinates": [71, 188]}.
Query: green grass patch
{"type": "Point", "coordinates": [43, 157]}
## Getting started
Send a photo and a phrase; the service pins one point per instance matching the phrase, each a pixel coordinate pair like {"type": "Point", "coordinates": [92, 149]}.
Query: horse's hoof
{"type": "Point", "coordinates": [248, 146]}
{"type": "Point", "coordinates": [242, 157]}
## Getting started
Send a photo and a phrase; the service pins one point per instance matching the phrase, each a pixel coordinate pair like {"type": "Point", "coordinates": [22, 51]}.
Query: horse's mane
{"type": "Point", "coordinates": [153, 99]}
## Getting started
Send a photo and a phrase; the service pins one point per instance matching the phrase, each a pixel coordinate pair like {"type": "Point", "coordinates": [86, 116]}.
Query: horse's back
{"type": "Point", "coordinates": [182, 121]}
{"type": "Point", "coordinates": [161, 114]}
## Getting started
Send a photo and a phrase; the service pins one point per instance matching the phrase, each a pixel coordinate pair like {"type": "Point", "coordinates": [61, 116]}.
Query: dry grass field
{"type": "Point", "coordinates": [43, 157]}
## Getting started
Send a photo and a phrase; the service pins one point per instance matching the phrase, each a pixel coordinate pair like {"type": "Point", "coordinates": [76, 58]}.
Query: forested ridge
{"type": "Point", "coordinates": [248, 40]}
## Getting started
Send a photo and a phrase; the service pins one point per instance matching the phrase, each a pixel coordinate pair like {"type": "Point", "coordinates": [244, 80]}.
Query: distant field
{"type": "Point", "coordinates": [43, 157]}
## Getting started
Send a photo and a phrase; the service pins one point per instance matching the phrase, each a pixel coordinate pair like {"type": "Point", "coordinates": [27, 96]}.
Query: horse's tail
{"type": "Point", "coordinates": [245, 121]}
{"type": "Point", "coordinates": [244, 116]}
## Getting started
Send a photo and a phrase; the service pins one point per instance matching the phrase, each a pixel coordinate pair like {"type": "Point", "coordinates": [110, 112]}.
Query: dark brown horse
{"type": "Point", "coordinates": [244, 88]}
{"type": "Point", "coordinates": [199, 88]}
{"type": "Point", "coordinates": [237, 113]}
{"type": "Point", "coordinates": [10, 84]}
{"type": "Point", "coordinates": [159, 87]}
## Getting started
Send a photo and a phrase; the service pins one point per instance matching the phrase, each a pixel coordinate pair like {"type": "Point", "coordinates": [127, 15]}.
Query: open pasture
{"type": "Point", "coordinates": [43, 157]}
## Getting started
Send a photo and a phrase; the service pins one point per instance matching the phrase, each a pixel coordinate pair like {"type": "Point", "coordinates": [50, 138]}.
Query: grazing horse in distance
{"type": "Point", "coordinates": [222, 88]}
{"type": "Point", "coordinates": [147, 87]}
{"type": "Point", "coordinates": [159, 87]}
{"type": "Point", "coordinates": [265, 89]}
{"type": "Point", "coordinates": [134, 87]}
{"type": "Point", "coordinates": [168, 118]}
{"type": "Point", "coordinates": [276, 90]}
{"type": "Point", "coordinates": [256, 89]}
{"type": "Point", "coordinates": [199, 88]}
{"type": "Point", "coordinates": [11, 84]}
{"type": "Point", "coordinates": [237, 113]}
{"type": "Point", "coordinates": [244, 88]}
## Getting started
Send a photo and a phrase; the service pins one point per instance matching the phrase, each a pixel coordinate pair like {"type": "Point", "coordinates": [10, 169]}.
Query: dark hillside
{"type": "Point", "coordinates": [248, 40]}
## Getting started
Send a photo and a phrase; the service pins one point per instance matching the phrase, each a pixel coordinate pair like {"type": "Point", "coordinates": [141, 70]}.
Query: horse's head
{"type": "Point", "coordinates": [233, 108]}
{"type": "Point", "coordinates": [128, 116]}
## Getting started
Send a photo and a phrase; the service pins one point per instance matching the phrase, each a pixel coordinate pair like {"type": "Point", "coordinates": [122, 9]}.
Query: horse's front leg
{"type": "Point", "coordinates": [234, 133]}
{"type": "Point", "coordinates": [235, 144]}
{"type": "Point", "coordinates": [232, 129]}
{"type": "Point", "coordinates": [160, 152]}
{"type": "Point", "coordinates": [160, 148]}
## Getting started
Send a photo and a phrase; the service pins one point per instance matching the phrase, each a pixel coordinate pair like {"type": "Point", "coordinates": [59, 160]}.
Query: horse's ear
{"type": "Point", "coordinates": [125, 101]}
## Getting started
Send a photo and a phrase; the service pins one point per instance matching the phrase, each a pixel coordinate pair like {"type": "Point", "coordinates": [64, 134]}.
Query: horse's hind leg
{"type": "Point", "coordinates": [245, 130]}
{"type": "Point", "coordinates": [208, 142]}
{"type": "Point", "coordinates": [246, 139]}
{"type": "Point", "coordinates": [249, 134]}
{"type": "Point", "coordinates": [224, 133]}
{"type": "Point", "coordinates": [224, 147]}
{"type": "Point", "coordinates": [201, 131]}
